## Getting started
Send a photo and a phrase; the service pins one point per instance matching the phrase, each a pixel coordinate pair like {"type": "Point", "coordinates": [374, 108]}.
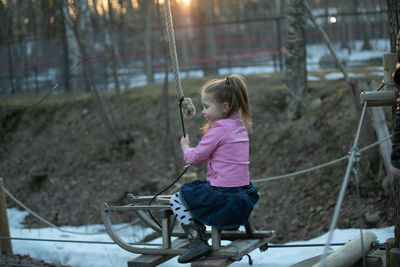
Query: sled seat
{"type": "Point", "coordinates": [241, 242]}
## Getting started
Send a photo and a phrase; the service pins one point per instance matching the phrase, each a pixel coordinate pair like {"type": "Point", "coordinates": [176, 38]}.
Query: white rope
{"type": "Point", "coordinates": [320, 166]}
{"type": "Point", "coordinates": [187, 105]}
{"type": "Point", "coordinates": [343, 188]}
{"type": "Point", "coordinates": [53, 225]}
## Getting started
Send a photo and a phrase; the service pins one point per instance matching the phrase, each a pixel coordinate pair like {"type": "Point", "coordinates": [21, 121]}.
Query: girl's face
{"type": "Point", "coordinates": [212, 111]}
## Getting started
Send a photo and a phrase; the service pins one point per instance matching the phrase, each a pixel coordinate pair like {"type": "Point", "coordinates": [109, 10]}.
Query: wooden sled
{"type": "Point", "coordinates": [242, 242]}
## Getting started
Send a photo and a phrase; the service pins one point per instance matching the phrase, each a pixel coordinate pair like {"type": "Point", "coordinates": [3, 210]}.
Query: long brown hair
{"type": "Point", "coordinates": [232, 90]}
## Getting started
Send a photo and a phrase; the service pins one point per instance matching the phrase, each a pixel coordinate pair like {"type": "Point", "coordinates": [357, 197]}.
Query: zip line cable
{"type": "Point", "coordinates": [377, 245]}
{"type": "Point", "coordinates": [147, 244]}
{"type": "Point", "coordinates": [72, 241]}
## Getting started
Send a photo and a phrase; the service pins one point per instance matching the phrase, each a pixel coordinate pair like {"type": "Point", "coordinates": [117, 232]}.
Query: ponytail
{"type": "Point", "coordinates": [240, 99]}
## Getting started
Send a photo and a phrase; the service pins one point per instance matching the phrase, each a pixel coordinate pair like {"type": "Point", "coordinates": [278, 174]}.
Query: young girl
{"type": "Point", "coordinates": [226, 197]}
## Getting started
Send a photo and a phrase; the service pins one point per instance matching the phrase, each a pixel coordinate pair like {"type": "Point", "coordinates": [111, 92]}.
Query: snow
{"type": "Point", "coordinates": [80, 255]}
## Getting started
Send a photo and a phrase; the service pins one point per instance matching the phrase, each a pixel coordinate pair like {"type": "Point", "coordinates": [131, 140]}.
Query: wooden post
{"type": "Point", "coordinates": [165, 225]}
{"type": "Point", "coordinates": [216, 238]}
{"type": "Point", "coordinates": [5, 244]}
{"type": "Point", "coordinates": [389, 66]}
{"type": "Point", "coordinates": [395, 257]}
{"type": "Point", "coordinates": [382, 131]}
{"type": "Point", "coordinates": [389, 246]}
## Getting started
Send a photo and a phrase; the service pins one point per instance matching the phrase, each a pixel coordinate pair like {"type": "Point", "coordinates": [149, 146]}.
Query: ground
{"type": "Point", "coordinates": [61, 160]}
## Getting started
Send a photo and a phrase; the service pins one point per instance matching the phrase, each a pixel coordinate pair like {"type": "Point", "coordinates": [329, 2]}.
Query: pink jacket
{"type": "Point", "coordinates": [225, 147]}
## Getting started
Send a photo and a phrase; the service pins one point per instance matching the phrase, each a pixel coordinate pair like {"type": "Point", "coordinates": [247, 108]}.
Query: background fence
{"type": "Point", "coordinates": [33, 65]}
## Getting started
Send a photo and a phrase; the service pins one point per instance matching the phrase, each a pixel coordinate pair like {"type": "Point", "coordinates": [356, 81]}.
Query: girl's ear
{"type": "Point", "coordinates": [225, 107]}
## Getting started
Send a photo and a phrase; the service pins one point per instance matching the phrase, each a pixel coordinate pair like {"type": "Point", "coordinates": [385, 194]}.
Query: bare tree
{"type": "Point", "coordinates": [205, 17]}
{"type": "Point", "coordinates": [107, 33]}
{"type": "Point", "coordinates": [74, 56]}
{"type": "Point", "coordinates": [296, 69]}
{"type": "Point", "coordinates": [79, 23]}
{"type": "Point", "coordinates": [61, 29]}
{"type": "Point", "coordinates": [147, 14]}
{"type": "Point", "coordinates": [19, 30]}
{"type": "Point", "coordinates": [4, 20]}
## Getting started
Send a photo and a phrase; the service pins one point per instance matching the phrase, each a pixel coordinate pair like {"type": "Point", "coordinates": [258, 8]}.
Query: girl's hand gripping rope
{"type": "Point", "coordinates": [185, 143]}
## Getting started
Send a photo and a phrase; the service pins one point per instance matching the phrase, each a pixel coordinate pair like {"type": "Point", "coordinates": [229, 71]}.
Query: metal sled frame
{"type": "Point", "coordinates": [242, 242]}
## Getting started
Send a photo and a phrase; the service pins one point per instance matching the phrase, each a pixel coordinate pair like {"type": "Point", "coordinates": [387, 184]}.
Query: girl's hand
{"type": "Point", "coordinates": [185, 143]}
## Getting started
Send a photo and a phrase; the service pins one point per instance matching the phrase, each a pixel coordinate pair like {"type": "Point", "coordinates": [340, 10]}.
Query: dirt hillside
{"type": "Point", "coordinates": [60, 160]}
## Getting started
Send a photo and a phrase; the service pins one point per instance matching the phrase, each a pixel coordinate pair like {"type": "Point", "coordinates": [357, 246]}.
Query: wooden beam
{"type": "Point", "coordinates": [350, 253]}
{"type": "Point", "coordinates": [5, 244]}
{"type": "Point", "coordinates": [378, 98]}
{"type": "Point", "coordinates": [211, 262]}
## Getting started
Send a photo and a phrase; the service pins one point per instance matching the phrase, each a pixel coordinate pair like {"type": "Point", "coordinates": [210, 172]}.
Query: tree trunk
{"type": "Point", "coordinates": [19, 30]}
{"type": "Point", "coordinates": [73, 48]}
{"type": "Point", "coordinates": [185, 33]}
{"type": "Point", "coordinates": [205, 16]}
{"type": "Point", "coordinates": [148, 11]}
{"type": "Point", "coordinates": [210, 49]}
{"type": "Point", "coordinates": [296, 69]}
{"type": "Point", "coordinates": [366, 21]}
{"type": "Point", "coordinates": [393, 11]}
{"type": "Point", "coordinates": [113, 58]}
{"type": "Point", "coordinates": [65, 66]}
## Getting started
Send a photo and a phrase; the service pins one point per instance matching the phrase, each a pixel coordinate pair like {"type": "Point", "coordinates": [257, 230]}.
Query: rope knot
{"type": "Point", "coordinates": [187, 107]}
{"type": "Point", "coordinates": [357, 153]}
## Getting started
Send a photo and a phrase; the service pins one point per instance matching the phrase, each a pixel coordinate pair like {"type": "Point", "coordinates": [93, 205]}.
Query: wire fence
{"type": "Point", "coordinates": [32, 65]}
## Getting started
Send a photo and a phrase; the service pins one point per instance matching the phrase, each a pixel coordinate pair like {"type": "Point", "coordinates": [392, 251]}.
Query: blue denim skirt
{"type": "Point", "coordinates": [223, 207]}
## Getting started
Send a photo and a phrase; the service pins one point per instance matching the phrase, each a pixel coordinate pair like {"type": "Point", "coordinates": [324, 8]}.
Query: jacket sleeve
{"type": "Point", "coordinates": [207, 145]}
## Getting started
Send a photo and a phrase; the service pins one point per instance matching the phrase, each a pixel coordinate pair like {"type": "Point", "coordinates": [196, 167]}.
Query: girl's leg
{"type": "Point", "coordinates": [182, 213]}
{"type": "Point", "coordinates": [195, 231]}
